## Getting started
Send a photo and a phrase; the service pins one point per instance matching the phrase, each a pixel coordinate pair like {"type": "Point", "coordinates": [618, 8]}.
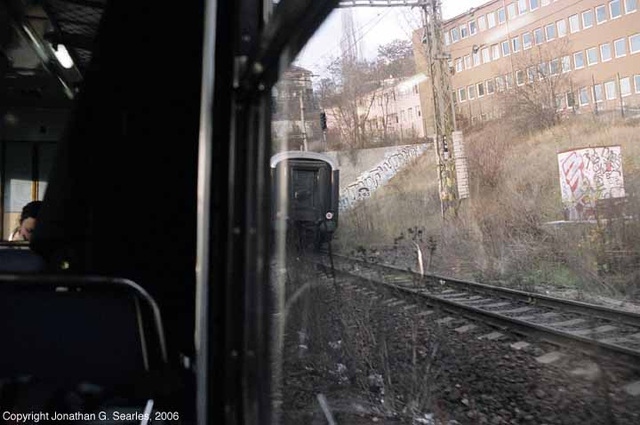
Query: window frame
{"type": "Point", "coordinates": [475, 25]}
{"type": "Point", "coordinates": [611, 9]}
{"type": "Point", "coordinates": [480, 86]}
{"type": "Point", "coordinates": [546, 32]}
{"type": "Point", "coordinates": [481, 26]}
{"type": "Point", "coordinates": [488, 55]}
{"type": "Point", "coordinates": [518, 83]}
{"type": "Point", "coordinates": [575, 62]}
{"type": "Point", "coordinates": [531, 8]}
{"type": "Point", "coordinates": [495, 48]}
{"type": "Point", "coordinates": [608, 84]}
{"type": "Point", "coordinates": [563, 61]}
{"type": "Point", "coordinates": [462, 90]}
{"type": "Point", "coordinates": [490, 83]}
{"type": "Point", "coordinates": [463, 29]}
{"type": "Point", "coordinates": [606, 17]}
{"type": "Point", "coordinates": [622, 95]}
{"type": "Point", "coordinates": [571, 29]}
{"type": "Point", "coordinates": [504, 16]}
{"type": "Point", "coordinates": [469, 88]}
{"type": "Point", "coordinates": [602, 57]}
{"type": "Point", "coordinates": [536, 32]}
{"type": "Point", "coordinates": [582, 90]}
{"type": "Point", "coordinates": [518, 44]}
{"type": "Point", "coordinates": [595, 93]}
{"type": "Point", "coordinates": [615, 49]}
{"type": "Point", "coordinates": [636, 36]}
{"type": "Point", "coordinates": [636, 82]}
{"type": "Point", "coordinates": [589, 64]}
{"type": "Point", "coordinates": [562, 33]}
{"type": "Point", "coordinates": [489, 19]}
{"type": "Point", "coordinates": [626, 9]}
{"type": "Point", "coordinates": [524, 44]}
{"type": "Point", "coordinates": [508, 52]}
{"type": "Point", "coordinates": [584, 13]}
{"type": "Point", "coordinates": [510, 7]}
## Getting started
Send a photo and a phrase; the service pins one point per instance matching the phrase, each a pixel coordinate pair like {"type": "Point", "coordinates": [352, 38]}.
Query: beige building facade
{"type": "Point", "coordinates": [592, 45]}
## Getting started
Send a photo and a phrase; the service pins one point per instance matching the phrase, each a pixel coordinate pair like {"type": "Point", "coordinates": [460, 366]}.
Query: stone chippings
{"type": "Point", "coordinates": [472, 381]}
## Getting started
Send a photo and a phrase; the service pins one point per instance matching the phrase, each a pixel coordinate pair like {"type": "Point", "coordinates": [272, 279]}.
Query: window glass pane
{"type": "Point", "coordinates": [610, 89]}
{"type": "Point", "coordinates": [502, 17]}
{"type": "Point", "coordinates": [537, 35]}
{"type": "Point", "coordinates": [522, 6]}
{"type": "Point", "coordinates": [491, 20]}
{"type": "Point", "coordinates": [592, 56]}
{"type": "Point", "coordinates": [464, 31]}
{"type": "Point", "coordinates": [495, 52]}
{"type": "Point", "coordinates": [467, 62]}
{"type": "Point", "coordinates": [486, 57]}
{"type": "Point", "coordinates": [473, 28]}
{"type": "Point", "coordinates": [574, 23]}
{"type": "Point", "coordinates": [515, 43]}
{"type": "Point", "coordinates": [491, 88]}
{"type": "Point", "coordinates": [587, 19]}
{"type": "Point", "coordinates": [462, 93]}
{"type": "Point", "coordinates": [620, 47]}
{"type": "Point", "coordinates": [562, 28]}
{"type": "Point", "coordinates": [534, 4]}
{"type": "Point", "coordinates": [476, 59]}
{"type": "Point", "coordinates": [554, 67]}
{"type": "Point", "coordinates": [637, 83]}
{"type": "Point", "coordinates": [511, 10]}
{"type": "Point", "coordinates": [455, 35]}
{"type": "Point", "coordinates": [578, 59]}
{"type": "Point", "coordinates": [615, 9]}
{"type": "Point", "coordinates": [505, 48]}
{"type": "Point", "coordinates": [508, 80]}
{"type": "Point", "coordinates": [18, 183]}
{"type": "Point", "coordinates": [605, 52]}
{"type": "Point", "coordinates": [566, 64]}
{"type": "Point", "coordinates": [482, 23]}
{"type": "Point", "coordinates": [631, 6]}
{"type": "Point", "coordinates": [625, 86]}
{"type": "Point", "coordinates": [634, 43]}
{"type": "Point", "coordinates": [526, 40]}
{"type": "Point", "coordinates": [520, 77]}
{"type": "Point", "coordinates": [598, 94]}
{"type": "Point", "coordinates": [551, 32]}
{"type": "Point", "coordinates": [584, 96]}
{"type": "Point", "coordinates": [601, 14]}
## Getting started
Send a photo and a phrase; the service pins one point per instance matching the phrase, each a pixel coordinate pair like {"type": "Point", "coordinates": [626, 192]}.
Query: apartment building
{"type": "Point", "coordinates": [594, 45]}
{"type": "Point", "coordinates": [390, 112]}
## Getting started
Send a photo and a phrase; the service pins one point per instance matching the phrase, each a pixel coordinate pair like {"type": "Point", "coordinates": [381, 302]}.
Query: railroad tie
{"type": "Point", "coordinates": [633, 388]}
{"type": "Point", "coordinates": [445, 321]}
{"type": "Point", "coordinates": [571, 322]}
{"type": "Point", "coordinates": [516, 310]}
{"type": "Point", "coordinates": [492, 336]}
{"type": "Point", "coordinates": [520, 345]}
{"type": "Point", "coordinates": [599, 329]}
{"type": "Point", "coordinates": [465, 328]}
{"type": "Point", "coordinates": [551, 357]}
{"type": "Point", "coordinates": [496, 305]}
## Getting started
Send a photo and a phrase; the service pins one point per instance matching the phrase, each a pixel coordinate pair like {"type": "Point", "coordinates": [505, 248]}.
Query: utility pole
{"type": "Point", "coordinates": [304, 124]}
{"type": "Point", "coordinates": [444, 112]}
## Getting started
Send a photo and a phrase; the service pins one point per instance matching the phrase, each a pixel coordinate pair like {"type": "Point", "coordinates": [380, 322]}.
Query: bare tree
{"type": "Point", "coordinates": [537, 93]}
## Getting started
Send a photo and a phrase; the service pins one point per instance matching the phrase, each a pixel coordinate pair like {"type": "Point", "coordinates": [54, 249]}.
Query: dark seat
{"type": "Point", "coordinates": [67, 329]}
{"type": "Point", "coordinates": [19, 259]}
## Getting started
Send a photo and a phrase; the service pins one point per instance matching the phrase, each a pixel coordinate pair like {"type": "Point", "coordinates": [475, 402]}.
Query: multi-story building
{"type": "Point", "coordinates": [594, 45]}
{"type": "Point", "coordinates": [391, 112]}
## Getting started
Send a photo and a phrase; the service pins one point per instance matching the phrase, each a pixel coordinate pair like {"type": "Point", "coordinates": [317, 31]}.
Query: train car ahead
{"type": "Point", "coordinates": [305, 195]}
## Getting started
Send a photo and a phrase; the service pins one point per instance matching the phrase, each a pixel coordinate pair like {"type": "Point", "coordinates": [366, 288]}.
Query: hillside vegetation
{"type": "Point", "coordinates": [502, 233]}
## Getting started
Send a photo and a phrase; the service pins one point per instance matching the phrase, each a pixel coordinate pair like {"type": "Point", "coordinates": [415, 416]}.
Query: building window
{"type": "Point", "coordinates": [587, 19]}
{"type": "Point", "coordinates": [508, 81]}
{"type": "Point", "coordinates": [546, 2]}
{"type": "Point", "coordinates": [554, 66]}
{"type": "Point", "coordinates": [491, 20]}
{"type": "Point", "coordinates": [562, 28]}
{"type": "Point", "coordinates": [455, 35]}
{"type": "Point", "coordinates": [601, 14]}
{"type": "Point", "coordinates": [502, 16]}
{"type": "Point", "coordinates": [592, 56]}
{"type": "Point", "coordinates": [636, 79]}
{"type": "Point", "coordinates": [615, 9]}
{"type": "Point", "coordinates": [543, 70]}
{"type": "Point", "coordinates": [631, 6]}
{"type": "Point", "coordinates": [571, 100]}
{"type": "Point", "coordinates": [482, 23]}
{"type": "Point", "coordinates": [495, 52]}
{"type": "Point", "coordinates": [472, 92]}
{"type": "Point", "coordinates": [515, 44]}
{"type": "Point", "coordinates": [467, 62]}
{"type": "Point", "coordinates": [447, 38]}
{"type": "Point", "coordinates": [578, 60]}
{"type": "Point", "coordinates": [500, 83]}
{"type": "Point", "coordinates": [459, 67]}
{"type": "Point", "coordinates": [583, 96]}
{"type": "Point", "coordinates": [598, 95]}
{"type": "Point", "coordinates": [534, 4]}
{"type": "Point", "coordinates": [566, 64]}
{"type": "Point", "coordinates": [610, 90]}
{"type": "Point", "coordinates": [505, 48]}
{"type": "Point", "coordinates": [476, 59]}
{"type": "Point", "coordinates": [531, 74]}
{"type": "Point", "coordinates": [625, 87]}
{"type": "Point", "coordinates": [620, 47]}
{"type": "Point", "coordinates": [522, 7]}
{"type": "Point", "coordinates": [462, 95]}
{"type": "Point", "coordinates": [486, 57]}
{"type": "Point", "coordinates": [605, 52]}
{"type": "Point", "coordinates": [634, 43]}
{"type": "Point", "coordinates": [464, 31]}
{"type": "Point", "coordinates": [473, 28]}
{"type": "Point", "coordinates": [526, 40]}
{"type": "Point", "coordinates": [480, 90]}
{"type": "Point", "coordinates": [520, 78]}
{"type": "Point", "coordinates": [538, 37]}
{"type": "Point", "coordinates": [551, 32]}
{"type": "Point", "coordinates": [511, 11]}
{"type": "Point", "coordinates": [574, 23]}
{"type": "Point", "coordinates": [560, 105]}
{"type": "Point", "coordinates": [491, 87]}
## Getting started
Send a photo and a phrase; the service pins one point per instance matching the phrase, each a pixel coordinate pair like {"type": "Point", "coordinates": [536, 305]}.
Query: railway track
{"type": "Point", "coordinates": [591, 329]}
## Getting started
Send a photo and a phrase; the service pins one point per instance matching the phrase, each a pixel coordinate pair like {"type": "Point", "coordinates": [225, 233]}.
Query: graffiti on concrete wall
{"type": "Point", "coordinates": [587, 176]}
{"type": "Point", "coordinates": [371, 180]}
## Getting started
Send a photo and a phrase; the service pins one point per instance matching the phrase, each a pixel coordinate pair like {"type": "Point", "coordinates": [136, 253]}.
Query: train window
{"type": "Point", "coordinates": [429, 269]}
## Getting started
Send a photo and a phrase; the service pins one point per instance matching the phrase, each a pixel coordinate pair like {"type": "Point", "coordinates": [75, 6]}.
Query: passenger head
{"type": "Point", "coordinates": [28, 220]}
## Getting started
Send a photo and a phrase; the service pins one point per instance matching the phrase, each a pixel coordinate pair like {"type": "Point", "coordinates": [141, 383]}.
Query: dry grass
{"type": "Point", "coordinates": [502, 232]}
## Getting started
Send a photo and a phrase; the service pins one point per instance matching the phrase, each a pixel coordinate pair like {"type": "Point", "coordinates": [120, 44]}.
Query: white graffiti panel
{"type": "Point", "coordinates": [589, 175]}
{"type": "Point", "coordinates": [371, 180]}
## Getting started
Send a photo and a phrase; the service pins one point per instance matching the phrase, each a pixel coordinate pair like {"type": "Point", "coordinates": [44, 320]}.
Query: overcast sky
{"type": "Point", "coordinates": [374, 26]}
